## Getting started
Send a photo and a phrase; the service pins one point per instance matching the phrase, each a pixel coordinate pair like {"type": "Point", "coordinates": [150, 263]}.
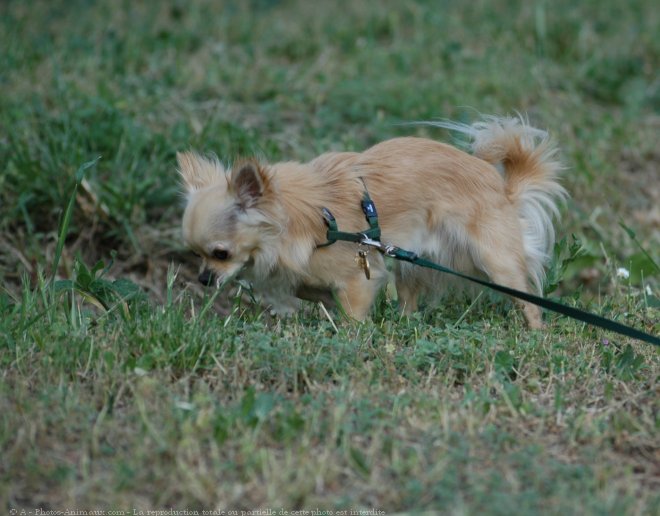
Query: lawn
{"type": "Point", "coordinates": [127, 387]}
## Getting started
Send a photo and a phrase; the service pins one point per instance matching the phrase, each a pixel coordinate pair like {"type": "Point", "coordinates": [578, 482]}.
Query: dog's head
{"type": "Point", "coordinates": [223, 221]}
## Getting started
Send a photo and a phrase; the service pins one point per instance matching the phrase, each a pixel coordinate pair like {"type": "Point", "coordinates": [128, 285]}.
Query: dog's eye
{"type": "Point", "coordinates": [221, 254]}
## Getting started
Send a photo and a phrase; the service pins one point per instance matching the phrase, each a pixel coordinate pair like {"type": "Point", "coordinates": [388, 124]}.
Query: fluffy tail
{"type": "Point", "coordinates": [528, 160]}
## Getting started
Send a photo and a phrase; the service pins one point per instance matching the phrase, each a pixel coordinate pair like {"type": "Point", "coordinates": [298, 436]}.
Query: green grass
{"type": "Point", "coordinates": [125, 386]}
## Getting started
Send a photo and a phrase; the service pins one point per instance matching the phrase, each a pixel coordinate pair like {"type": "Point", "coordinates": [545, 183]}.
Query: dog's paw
{"type": "Point", "coordinates": [281, 305]}
{"type": "Point", "coordinates": [282, 311]}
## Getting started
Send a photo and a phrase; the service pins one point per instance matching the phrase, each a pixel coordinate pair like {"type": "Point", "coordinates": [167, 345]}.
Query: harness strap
{"type": "Point", "coordinates": [369, 209]}
{"type": "Point", "coordinates": [370, 213]}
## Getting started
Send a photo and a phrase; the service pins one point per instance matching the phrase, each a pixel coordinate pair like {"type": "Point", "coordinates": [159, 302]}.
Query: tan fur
{"type": "Point", "coordinates": [431, 198]}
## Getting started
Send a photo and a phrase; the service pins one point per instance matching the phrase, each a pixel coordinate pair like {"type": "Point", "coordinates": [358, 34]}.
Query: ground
{"type": "Point", "coordinates": [126, 386]}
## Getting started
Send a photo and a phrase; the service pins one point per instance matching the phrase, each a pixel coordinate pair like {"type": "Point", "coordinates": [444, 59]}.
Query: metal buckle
{"type": "Point", "coordinates": [390, 250]}
{"type": "Point", "coordinates": [371, 242]}
{"type": "Point", "coordinates": [386, 249]}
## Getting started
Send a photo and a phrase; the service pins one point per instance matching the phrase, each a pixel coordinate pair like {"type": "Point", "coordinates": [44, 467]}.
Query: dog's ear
{"type": "Point", "coordinates": [248, 183]}
{"type": "Point", "coordinates": [198, 172]}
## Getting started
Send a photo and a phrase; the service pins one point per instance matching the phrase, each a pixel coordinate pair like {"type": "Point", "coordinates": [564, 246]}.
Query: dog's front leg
{"type": "Point", "coordinates": [357, 295]}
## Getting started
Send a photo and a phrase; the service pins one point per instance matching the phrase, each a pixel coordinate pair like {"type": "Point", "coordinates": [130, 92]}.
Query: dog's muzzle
{"type": "Point", "coordinates": [206, 278]}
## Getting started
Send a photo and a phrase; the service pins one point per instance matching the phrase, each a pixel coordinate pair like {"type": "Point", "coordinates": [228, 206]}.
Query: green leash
{"type": "Point", "coordinates": [371, 238]}
{"type": "Point", "coordinates": [575, 313]}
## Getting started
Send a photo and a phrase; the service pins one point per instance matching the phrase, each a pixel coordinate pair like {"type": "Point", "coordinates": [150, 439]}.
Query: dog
{"type": "Point", "coordinates": [488, 211]}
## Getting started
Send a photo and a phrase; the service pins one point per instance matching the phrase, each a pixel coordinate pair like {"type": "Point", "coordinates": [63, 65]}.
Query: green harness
{"type": "Point", "coordinates": [333, 234]}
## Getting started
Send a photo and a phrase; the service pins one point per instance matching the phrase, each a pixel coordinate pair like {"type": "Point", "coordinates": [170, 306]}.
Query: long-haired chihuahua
{"type": "Point", "coordinates": [489, 212]}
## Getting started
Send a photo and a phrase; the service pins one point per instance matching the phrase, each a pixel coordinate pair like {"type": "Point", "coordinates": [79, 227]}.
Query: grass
{"type": "Point", "coordinates": [125, 386]}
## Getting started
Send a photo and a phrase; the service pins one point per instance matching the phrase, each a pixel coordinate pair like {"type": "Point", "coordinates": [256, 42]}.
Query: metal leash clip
{"type": "Point", "coordinates": [365, 240]}
{"type": "Point", "coordinates": [386, 249]}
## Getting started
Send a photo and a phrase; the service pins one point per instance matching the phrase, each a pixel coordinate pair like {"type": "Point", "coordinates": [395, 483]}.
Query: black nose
{"type": "Point", "coordinates": [206, 278]}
